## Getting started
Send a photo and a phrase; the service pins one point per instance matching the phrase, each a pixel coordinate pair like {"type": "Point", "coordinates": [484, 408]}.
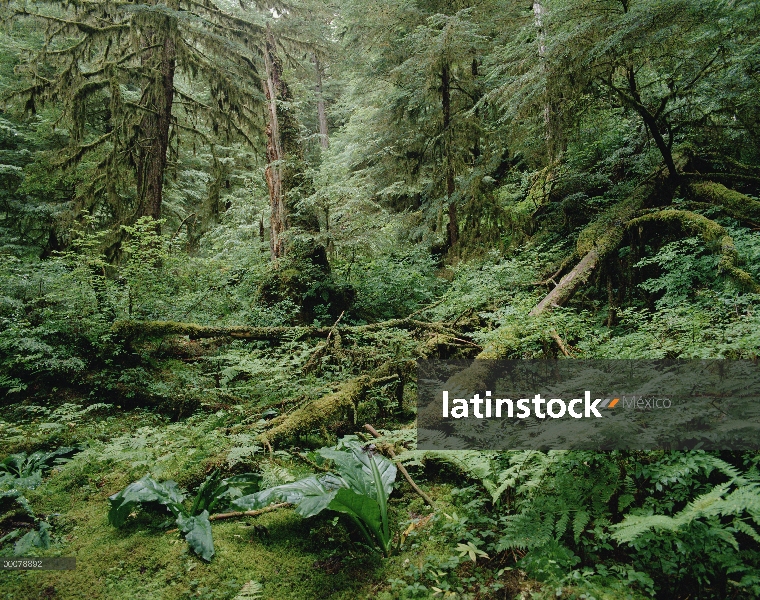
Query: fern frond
{"type": "Point", "coordinates": [250, 591]}
{"type": "Point", "coordinates": [580, 521]}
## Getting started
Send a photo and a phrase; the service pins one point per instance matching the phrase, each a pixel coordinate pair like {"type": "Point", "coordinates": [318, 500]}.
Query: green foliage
{"type": "Point", "coordinates": [547, 131]}
{"type": "Point", "coordinates": [33, 539]}
{"type": "Point", "coordinates": [19, 474]}
{"type": "Point", "coordinates": [250, 591]}
{"type": "Point", "coordinates": [392, 284]}
{"type": "Point", "coordinates": [576, 512]}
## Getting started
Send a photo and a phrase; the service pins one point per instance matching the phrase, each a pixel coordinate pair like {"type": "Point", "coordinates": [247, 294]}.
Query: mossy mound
{"type": "Point", "coordinates": [304, 278]}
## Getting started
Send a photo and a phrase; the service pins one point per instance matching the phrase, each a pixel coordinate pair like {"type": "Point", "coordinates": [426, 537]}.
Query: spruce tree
{"type": "Point", "coordinates": [125, 78]}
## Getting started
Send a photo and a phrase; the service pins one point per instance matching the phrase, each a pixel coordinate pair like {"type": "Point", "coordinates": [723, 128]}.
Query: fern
{"type": "Point", "coordinates": [250, 591]}
{"type": "Point", "coordinates": [718, 502]}
{"type": "Point", "coordinates": [580, 521]}
{"type": "Point", "coordinates": [273, 475]}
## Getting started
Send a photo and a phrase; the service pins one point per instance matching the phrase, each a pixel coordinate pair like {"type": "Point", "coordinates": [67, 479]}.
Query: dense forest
{"type": "Point", "coordinates": [229, 229]}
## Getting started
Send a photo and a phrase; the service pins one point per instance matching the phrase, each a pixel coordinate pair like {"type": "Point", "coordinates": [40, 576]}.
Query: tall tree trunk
{"type": "Point", "coordinates": [275, 155]}
{"type": "Point", "coordinates": [153, 141]}
{"type": "Point", "coordinates": [453, 228]}
{"type": "Point", "coordinates": [538, 13]}
{"type": "Point", "coordinates": [478, 94]}
{"type": "Point", "coordinates": [324, 140]}
{"type": "Point", "coordinates": [552, 127]}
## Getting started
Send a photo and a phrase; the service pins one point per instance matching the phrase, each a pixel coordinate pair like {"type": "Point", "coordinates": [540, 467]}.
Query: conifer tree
{"type": "Point", "coordinates": [121, 74]}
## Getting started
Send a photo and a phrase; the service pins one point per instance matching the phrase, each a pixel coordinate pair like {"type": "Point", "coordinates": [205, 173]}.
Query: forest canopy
{"type": "Point", "coordinates": [230, 228]}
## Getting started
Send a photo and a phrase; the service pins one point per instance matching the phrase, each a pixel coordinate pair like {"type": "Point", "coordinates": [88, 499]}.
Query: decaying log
{"type": "Point", "coordinates": [735, 204]}
{"type": "Point", "coordinates": [555, 336]}
{"type": "Point", "coordinates": [135, 329]}
{"type": "Point", "coordinates": [333, 405]}
{"type": "Point", "coordinates": [595, 243]}
{"type": "Point", "coordinates": [710, 231]}
{"type": "Point", "coordinates": [568, 285]}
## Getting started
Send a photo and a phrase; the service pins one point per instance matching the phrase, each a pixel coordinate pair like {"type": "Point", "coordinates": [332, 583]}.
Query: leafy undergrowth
{"type": "Point", "coordinates": [544, 525]}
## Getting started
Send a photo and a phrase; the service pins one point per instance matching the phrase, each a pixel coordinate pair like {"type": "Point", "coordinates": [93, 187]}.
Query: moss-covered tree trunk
{"type": "Point", "coordinates": [453, 228]}
{"type": "Point", "coordinates": [153, 135]}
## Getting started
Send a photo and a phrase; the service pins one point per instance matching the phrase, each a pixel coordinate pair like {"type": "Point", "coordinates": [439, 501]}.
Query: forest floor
{"type": "Point", "coordinates": [289, 556]}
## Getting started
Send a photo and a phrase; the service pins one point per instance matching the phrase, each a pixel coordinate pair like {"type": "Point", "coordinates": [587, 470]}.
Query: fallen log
{"type": "Point", "coordinates": [133, 329]}
{"type": "Point", "coordinates": [735, 204]}
{"type": "Point", "coordinates": [344, 400]}
{"type": "Point", "coordinates": [241, 513]}
{"type": "Point", "coordinates": [595, 244]}
{"type": "Point", "coordinates": [248, 513]}
{"type": "Point", "coordinates": [710, 231]}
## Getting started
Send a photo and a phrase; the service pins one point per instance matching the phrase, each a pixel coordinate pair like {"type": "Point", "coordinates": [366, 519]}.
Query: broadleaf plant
{"type": "Point", "coordinates": [359, 490]}
{"type": "Point", "coordinates": [193, 523]}
{"type": "Point", "coordinates": [25, 471]}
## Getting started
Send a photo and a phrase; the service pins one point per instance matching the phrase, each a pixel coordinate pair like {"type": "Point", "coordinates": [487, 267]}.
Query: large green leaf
{"type": "Point", "coordinates": [350, 470]}
{"type": "Point", "coordinates": [33, 539]}
{"type": "Point", "coordinates": [310, 495]}
{"type": "Point", "coordinates": [22, 471]}
{"type": "Point", "coordinates": [197, 532]}
{"type": "Point", "coordinates": [144, 490]}
{"type": "Point", "coordinates": [19, 498]}
{"type": "Point", "coordinates": [28, 482]}
{"type": "Point", "coordinates": [232, 488]}
{"type": "Point", "coordinates": [360, 506]}
{"type": "Point", "coordinates": [360, 490]}
{"type": "Point", "coordinates": [385, 467]}
{"type": "Point", "coordinates": [244, 482]}
{"type": "Point", "coordinates": [354, 468]}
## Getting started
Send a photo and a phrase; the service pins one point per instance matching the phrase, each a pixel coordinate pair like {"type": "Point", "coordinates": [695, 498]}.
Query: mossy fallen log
{"type": "Point", "coordinates": [735, 204]}
{"type": "Point", "coordinates": [711, 232]}
{"type": "Point", "coordinates": [343, 401]}
{"type": "Point", "coordinates": [153, 329]}
{"type": "Point", "coordinates": [721, 177]}
{"type": "Point", "coordinates": [336, 405]}
{"type": "Point", "coordinates": [595, 243]}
